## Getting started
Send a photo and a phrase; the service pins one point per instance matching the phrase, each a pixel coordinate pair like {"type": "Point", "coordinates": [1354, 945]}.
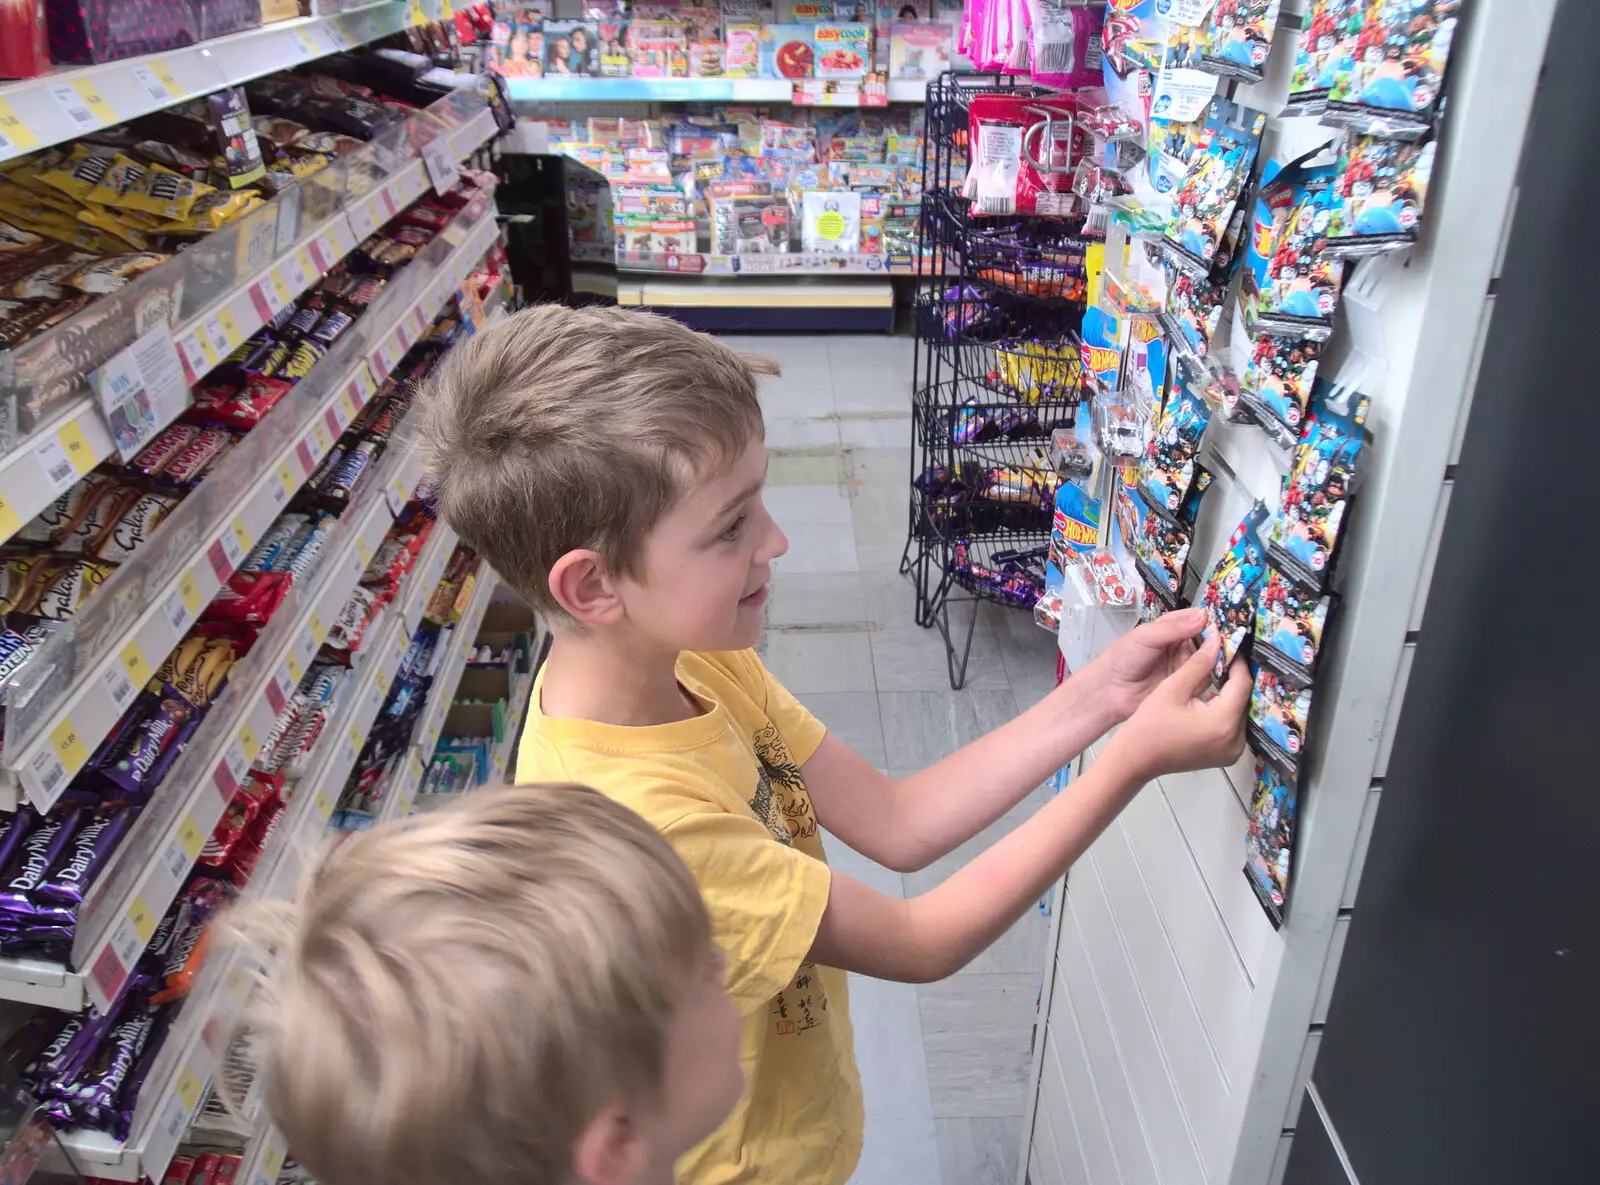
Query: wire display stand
{"type": "Point", "coordinates": [995, 371]}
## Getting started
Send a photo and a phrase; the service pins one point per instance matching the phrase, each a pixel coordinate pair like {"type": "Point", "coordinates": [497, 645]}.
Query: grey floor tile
{"type": "Point", "coordinates": [818, 598]}
{"type": "Point", "coordinates": [874, 429]}
{"type": "Point", "coordinates": [921, 727]}
{"type": "Point", "coordinates": [1028, 652]}
{"type": "Point", "coordinates": [807, 661]}
{"type": "Point", "coordinates": [976, 1030]}
{"type": "Point", "coordinates": [899, 1152]}
{"type": "Point", "coordinates": [793, 432]}
{"type": "Point", "coordinates": [814, 466]}
{"type": "Point", "coordinates": [894, 1070]}
{"type": "Point", "coordinates": [880, 466]}
{"type": "Point", "coordinates": [852, 716]}
{"type": "Point", "coordinates": [888, 598]}
{"type": "Point", "coordinates": [881, 522]}
{"type": "Point", "coordinates": [796, 400]}
{"type": "Point", "coordinates": [805, 505]}
{"type": "Point", "coordinates": [979, 1151]}
{"type": "Point", "coordinates": [909, 658]}
{"type": "Point", "coordinates": [819, 547]}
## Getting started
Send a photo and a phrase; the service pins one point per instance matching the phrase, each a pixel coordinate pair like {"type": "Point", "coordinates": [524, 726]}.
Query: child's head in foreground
{"type": "Point", "coordinates": [518, 989]}
{"type": "Point", "coordinates": [609, 464]}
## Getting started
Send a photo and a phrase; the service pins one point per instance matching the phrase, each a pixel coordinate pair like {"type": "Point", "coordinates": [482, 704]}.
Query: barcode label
{"type": "Point", "coordinates": [152, 85]}
{"type": "Point", "coordinates": [996, 204]}
{"type": "Point", "coordinates": [127, 944]}
{"type": "Point", "coordinates": [73, 106]}
{"type": "Point", "coordinates": [173, 1119]}
{"type": "Point", "coordinates": [232, 549]}
{"type": "Point", "coordinates": [238, 763]}
{"type": "Point", "coordinates": [176, 612]}
{"type": "Point", "coordinates": [49, 773]}
{"type": "Point", "coordinates": [176, 861]}
{"type": "Point", "coordinates": [119, 686]}
{"type": "Point", "coordinates": [57, 466]}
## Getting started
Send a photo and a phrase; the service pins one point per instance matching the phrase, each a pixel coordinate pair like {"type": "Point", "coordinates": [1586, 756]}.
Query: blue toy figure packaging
{"type": "Point", "coordinates": [1305, 535]}
{"type": "Point", "coordinates": [1269, 840]}
{"type": "Point", "coordinates": [1230, 594]}
{"type": "Point", "coordinates": [1326, 55]}
{"type": "Point", "coordinates": [1075, 527]}
{"type": "Point", "coordinates": [1399, 60]}
{"type": "Point", "coordinates": [1277, 382]}
{"type": "Point", "coordinates": [1279, 720]}
{"type": "Point", "coordinates": [1291, 282]}
{"type": "Point", "coordinates": [1381, 189]}
{"type": "Point", "coordinates": [1237, 38]}
{"type": "Point", "coordinates": [1217, 174]}
{"type": "Point", "coordinates": [1167, 467]}
{"type": "Point", "coordinates": [1290, 623]}
{"type": "Point", "coordinates": [1101, 353]}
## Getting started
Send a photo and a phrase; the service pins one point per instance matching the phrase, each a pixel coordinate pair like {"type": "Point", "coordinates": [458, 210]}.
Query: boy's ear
{"type": "Point", "coordinates": [611, 1150]}
{"type": "Point", "coordinates": [578, 581]}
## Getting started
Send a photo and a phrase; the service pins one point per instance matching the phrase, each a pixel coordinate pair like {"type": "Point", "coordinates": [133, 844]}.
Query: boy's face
{"type": "Point", "coordinates": [708, 561]}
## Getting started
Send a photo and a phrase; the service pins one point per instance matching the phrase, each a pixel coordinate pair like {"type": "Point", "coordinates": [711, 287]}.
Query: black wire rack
{"type": "Point", "coordinates": [996, 371]}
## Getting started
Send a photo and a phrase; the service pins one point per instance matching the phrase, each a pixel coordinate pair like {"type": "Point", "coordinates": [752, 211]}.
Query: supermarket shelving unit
{"type": "Point", "coordinates": [209, 299]}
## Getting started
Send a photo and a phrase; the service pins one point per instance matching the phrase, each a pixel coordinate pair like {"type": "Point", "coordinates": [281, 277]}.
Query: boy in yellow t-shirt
{"type": "Point", "coordinates": [610, 465]}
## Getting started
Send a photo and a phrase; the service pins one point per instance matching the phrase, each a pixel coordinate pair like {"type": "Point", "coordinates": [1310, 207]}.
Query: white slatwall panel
{"type": "Point", "coordinates": [1060, 1130]}
{"type": "Point", "coordinates": [1308, 1058]}
{"type": "Point", "coordinates": [1112, 1077]}
{"type": "Point", "coordinates": [1069, 1061]}
{"type": "Point", "coordinates": [1280, 1162]}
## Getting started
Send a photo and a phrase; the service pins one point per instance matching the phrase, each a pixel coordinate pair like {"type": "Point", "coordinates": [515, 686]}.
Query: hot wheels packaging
{"type": "Point", "coordinates": [1305, 535]}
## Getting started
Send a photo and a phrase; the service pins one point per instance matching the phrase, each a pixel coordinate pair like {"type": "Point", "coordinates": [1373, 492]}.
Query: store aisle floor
{"type": "Point", "coordinates": [944, 1066]}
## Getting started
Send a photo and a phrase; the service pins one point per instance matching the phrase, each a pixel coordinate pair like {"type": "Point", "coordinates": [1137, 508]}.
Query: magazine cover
{"type": "Point", "coordinates": [705, 59]}
{"type": "Point", "coordinates": [658, 49]}
{"type": "Point", "coordinates": [700, 23]}
{"type": "Point", "coordinates": [786, 51]}
{"type": "Point", "coordinates": [614, 58]}
{"type": "Point", "coordinates": [747, 12]}
{"type": "Point", "coordinates": [920, 50]}
{"type": "Point", "coordinates": [742, 51]}
{"type": "Point", "coordinates": [807, 11]}
{"type": "Point", "coordinates": [571, 49]}
{"type": "Point", "coordinates": [517, 41]}
{"type": "Point", "coordinates": [842, 51]}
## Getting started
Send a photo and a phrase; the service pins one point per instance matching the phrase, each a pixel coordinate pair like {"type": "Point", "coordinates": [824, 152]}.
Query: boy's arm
{"type": "Point", "coordinates": [936, 934]}
{"type": "Point", "coordinates": [908, 823]}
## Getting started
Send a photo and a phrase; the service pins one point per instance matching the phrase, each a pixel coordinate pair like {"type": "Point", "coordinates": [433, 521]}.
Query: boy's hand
{"type": "Point", "coordinates": [1136, 663]}
{"type": "Point", "coordinates": [1174, 730]}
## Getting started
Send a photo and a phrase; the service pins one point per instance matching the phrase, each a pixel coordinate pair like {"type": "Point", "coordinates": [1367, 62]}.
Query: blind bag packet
{"type": "Point", "coordinates": [1217, 174]}
{"type": "Point", "coordinates": [1236, 39]}
{"type": "Point", "coordinates": [1290, 623]}
{"type": "Point", "coordinates": [1269, 839]}
{"type": "Point", "coordinates": [1325, 56]}
{"type": "Point", "coordinates": [1392, 86]}
{"type": "Point", "coordinates": [1230, 594]}
{"type": "Point", "coordinates": [1290, 283]}
{"type": "Point", "coordinates": [1379, 195]}
{"type": "Point", "coordinates": [1161, 551]}
{"type": "Point", "coordinates": [1278, 719]}
{"type": "Point", "coordinates": [1276, 382]}
{"type": "Point", "coordinates": [1305, 536]}
{"type": "Point", "coordinates": [1192, 308]}
{"type": "Point", "coordinates": [1167, 468]}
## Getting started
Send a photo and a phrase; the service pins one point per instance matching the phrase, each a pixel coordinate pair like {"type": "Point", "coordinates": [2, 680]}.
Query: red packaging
{"type": "Point", "coordinates": [106, 30]}
{"type": "Point", "coordinates": [250, 598]}
{"type": "Point", "coordinates": [24, 43]}
{"type": "Point", "coordinates": [237, 820]}
{"type": "Point", "coordinates": [196, 456]}
{"type": "Point", "coordinates": [246, 407]}
{"type": "Point", "coordinates": [178, 1171]}
{"type": "Point", "coordinates": [227, 1170]}
{"type": "Point", "coordinates": [205, 1169]}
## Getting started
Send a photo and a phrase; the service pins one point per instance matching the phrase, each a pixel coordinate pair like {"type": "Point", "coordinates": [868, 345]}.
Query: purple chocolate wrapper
{"type": "Point", "coordinates": [86, 854]}
{"type": "Point", "coordinates": [15, 828]}
{"type": "Point", "coordinates": [93, 1093]}
{"type": "Point", "coordinates": [62, 1033]}
{"type": "Point", "coordinates": [128, 1095]}
{"type": "Point", "coordinates": [136, 764]}
{"type": "Point", "coordinates": [34, 859]}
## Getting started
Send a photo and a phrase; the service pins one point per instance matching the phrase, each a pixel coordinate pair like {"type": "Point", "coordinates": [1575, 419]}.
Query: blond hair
{"type": "Point", "coordinates": [461, 991]}
{"type": "Point", "coordinates": [561, 429]}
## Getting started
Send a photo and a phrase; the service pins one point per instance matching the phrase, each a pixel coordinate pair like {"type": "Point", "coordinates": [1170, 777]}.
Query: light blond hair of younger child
{"type": "Point", "coordinates": [578, 428]}
{"type": "Point", "coordinates": [459, 994]}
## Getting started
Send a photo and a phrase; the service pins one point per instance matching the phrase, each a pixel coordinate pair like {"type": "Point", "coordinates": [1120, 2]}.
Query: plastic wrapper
{"type": "Point", "coordinates": [197, 905]}
{"type": "Point", "coordinates": [1304, 537]}
{"type": "Point", "coordinates": [1269, 839]}
{"type": "Point", "coordinates": [1391, 85]}
{"type": "Point", "coordinates": [1381, 189]}
{"type": "Point", "coordinates": [1168, 466]}
{"type": "Point", "coordinates": [102, 504]}
{"type": "Point", "coordinates": [1216, 176]}
{"type": "Point", "coordinates": [348, 629]}
{"type": "Point", "coordinates": [1230, 593]}
{"type": "Point", "coordinates": [32, 858]}
{"type": "Point", "coordinates": [1278, 721]}
{"type": "Point", "coordinates": [69, 587]}
{"type": "Point", "coordinates": [133, 527]}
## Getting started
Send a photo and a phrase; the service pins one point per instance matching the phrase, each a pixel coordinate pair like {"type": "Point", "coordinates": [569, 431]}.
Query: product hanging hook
{"type": "Point", "coordinates": [1055, 128]}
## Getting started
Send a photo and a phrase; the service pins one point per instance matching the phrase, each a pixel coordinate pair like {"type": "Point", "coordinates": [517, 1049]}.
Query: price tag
{"type": "Point", "coordinates": [312, 50]}
{"type": "Point", "coordinates": [395, 495]}
{"type": "Point", "coordinates": [275, 694]}
{"type": "Point", "coordinates": [59, 471]}
{"type": "Point", "coordinates": [47, 777]}
{"type": "Point", "coordinates": [261, 302]}
{"type": "Point", "coordinates": [141, 919]}
{"type": "Point", "coordinates": [238, 763]}
{"type": "Point", "coordinates": [321, 433]}
{"type": "Point", "coordinates": [280, 286]}
{"type": "Point", "coordinates": [248, 742]}
{"type": "Point", "coordinates": [319, 254]}
{"type": "Point", "coordinates": [134, 663]}
{"type": "Point", "coordinates": [10, 521]}
{"type": "Point", "coordinates": [440, 161]}
{"type": "Point", "coordinates": [318, 630]}
{"type": "Point", "coordinates": [362, 220]}
{"type": "Point", "coordinates": [188, 1088]}
{"type": "Point", "coordinates": [242, 534]}
{"type": "Point", "coordinates": [191, 837]}
{"type": "Point", "coordinates": [76, 108]}
{"type": "Point", "coordinates": [196, 358]}
{"type": "Point", "coordinates": [118, 686]}
{"type": "Point", "coordinates": [307, 267]}
{"type": "Point", "coordinates": [363, 552]}
{"type": "Point", "coordinates": [324, 807]}
{"type": "Point", "coordinates": [330, 417]}
{"type": "Point", "coordinates": [176, 613]}
{"type": "Point", "coordinates": [352, 400]}
{"type": "Point", "coordinates": [217, 334]}
{"type": "Point", "coordinates": [302, 452]}
{"type": "Point", "coordinates": [286, 480]}
{"type": "Point", "coordinates": [292, 662]}
{"type": "Point", "coordinates": [15, 136]}
{"type": "Point", "coordinates": [271, 1164]}
{"type": "Point", "coordinates": [389, 204]}
{"type": "Point", "coordinates": [189, 592]}
{"type": "Point", "coordinates": [230, 325]}
{"type": "Point", "coordinates": [233, 553]}
{"type": "Point", "coordinates": [176, 861]}
{"type": "Point", "coordinates": [127, 946]}
{"type": "Point", "coordinates": [158, 81]}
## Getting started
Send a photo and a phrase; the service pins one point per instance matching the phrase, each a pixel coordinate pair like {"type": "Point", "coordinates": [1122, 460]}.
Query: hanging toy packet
{"type": "Point", "coordinates": [1230, 593]}
{"type": "Point", "coordinates": [1292, 281]}
{"type": "Point", "coordinates": [1326, 55]}
{"type": "Point", "coordinates": [1217, 174]}
{"type": "Point", "coordinates": [1401, 53]}
{"type": "Point", "coordinates": [1236, 39]}
{"type": "Point", "coordinates": [1024, 156]}
{"type": "Point", "coordinates": [1290, 623]}
{"type": "Point", "coordinates": [1275, 385]}
{"type": "Point", "coordinates": [1064, 43]}
{"type": "Point", "coordinates": [1379, 194]}
{"type": "Point", "coordinates": [1305, 536]}
{"type": "Point", "coordinates": [1269, 840]}
{"type": "Point", "coordinates": [1135, 35]}
{"type": "Point", "coordinates": [1101, 352]}
{"type": "Point", "coordinates": [1168, 466]}
{"type": "Point", "coordinates": [1279, 718]}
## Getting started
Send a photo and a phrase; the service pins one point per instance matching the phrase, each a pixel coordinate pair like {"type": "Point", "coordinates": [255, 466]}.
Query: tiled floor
{"type": "Point", "coordinates": [944, 1066]}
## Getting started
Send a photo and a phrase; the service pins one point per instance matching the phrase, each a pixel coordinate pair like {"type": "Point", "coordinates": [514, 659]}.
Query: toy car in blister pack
{"type": "Point", "coordinates": [1073, 453]}
{"type": "Point", "coordinates": [1393, 86]}
{"type": "Point", "coordinates": [1279, 720]}
{"type": "Point", "coordinates": [1219, 385]}
{"type": "Point", "coordinates": [1276, 383]}
{"type": "Point", "coordinates": [1168, 464]}
{"type": "Point", "coordinates": [1305, 536]}
{"type": "Point", "coordinates": [1291, 282]}
{"type": "Point", "coordinates": [1381, 190]}
{"type": "Point", "coordinates": [1217, 174]}
{"type": "Point", "coordinates": [1289, 627]}
{"type": "Point", "coordinates": [1135, 35]}
{"type": "Point", "coordinates": [1269, 839]}
{"type": "Point", "coordinates": [1230, 593]}
{"type": "Point", "coordinates": [1326, 54]}
{"type": "Point", "coordinates": [1236, 39]}
{"type": "Point", "coordinates": [1119, 427]}
{"type": "Point", "coordinates": [1110, 584]}
{"type": "Point", "coordinates": [1101, 350]}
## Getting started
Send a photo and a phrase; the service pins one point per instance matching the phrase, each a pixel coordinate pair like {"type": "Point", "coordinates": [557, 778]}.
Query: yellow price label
{"type": "Point", "coordinates": [191, 837]}
{"type": "Point", "coordinates": [352, 401]}
{"type": "Point", "coordinates": [295, 669]}
{"type": "Point", "coordinates": [14, 133]}
{"type": "Point", "coordinates": [272, 1162]}
{"type": "Point", "coordinates": [135, 663]}
{"type": "Point", "coordinates": [248, 742]}
{"type": "Point", "coordinates": [189, 594]}
{"type": "Point", "coordinates": [10, 523]}
{"type": "Point", "coordinates": [363, 552]}
{"type": "Point", "coordinates": [307, 44]}
{"type": "Point", "coordinates": [322, 436]}
{"type": "Point", "coordinates": [318, 630]}
{"type": "Point", "coordinates": [286, 479]}
{"type": "Point", "coordinates": [230, 326]}
{"type": "Point", "coordinates": [280, 286]}
{"type": "Point", "coordinates": [165, 76]}
{"type": "Point", "coordinates": [306, 265]}
{"type": "Point", "coordinates": [355, 736]}
{"type": "Point", "coordinates": [324, 807]}
{"type": "Point", "coordinates": [69, 745]}
{"type": "Point", "coordinates": [142, 920]}
{"type": "Point", "coordinates": [446, 11]}
{"type": "Point", "coordinates": [77, 448]}
{"type": "Point", "coordinates": [418, 17]}
{"type": "Point", "coordinates": [188, 1088]}
{"type": "Point", "coordinates": [242, 533]}
{"type": "Point", "coordinates": [206, 348]}
{"type": "Point", "coordinates": [93, 100]}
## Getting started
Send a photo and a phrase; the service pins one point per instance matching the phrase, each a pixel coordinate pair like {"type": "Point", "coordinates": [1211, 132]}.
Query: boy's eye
{"type": "Point", "coordinates": [731, 532]}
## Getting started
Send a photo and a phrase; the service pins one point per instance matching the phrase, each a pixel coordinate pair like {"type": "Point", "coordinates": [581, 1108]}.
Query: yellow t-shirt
{"type": "Point", "coordinates": [725, 790]}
